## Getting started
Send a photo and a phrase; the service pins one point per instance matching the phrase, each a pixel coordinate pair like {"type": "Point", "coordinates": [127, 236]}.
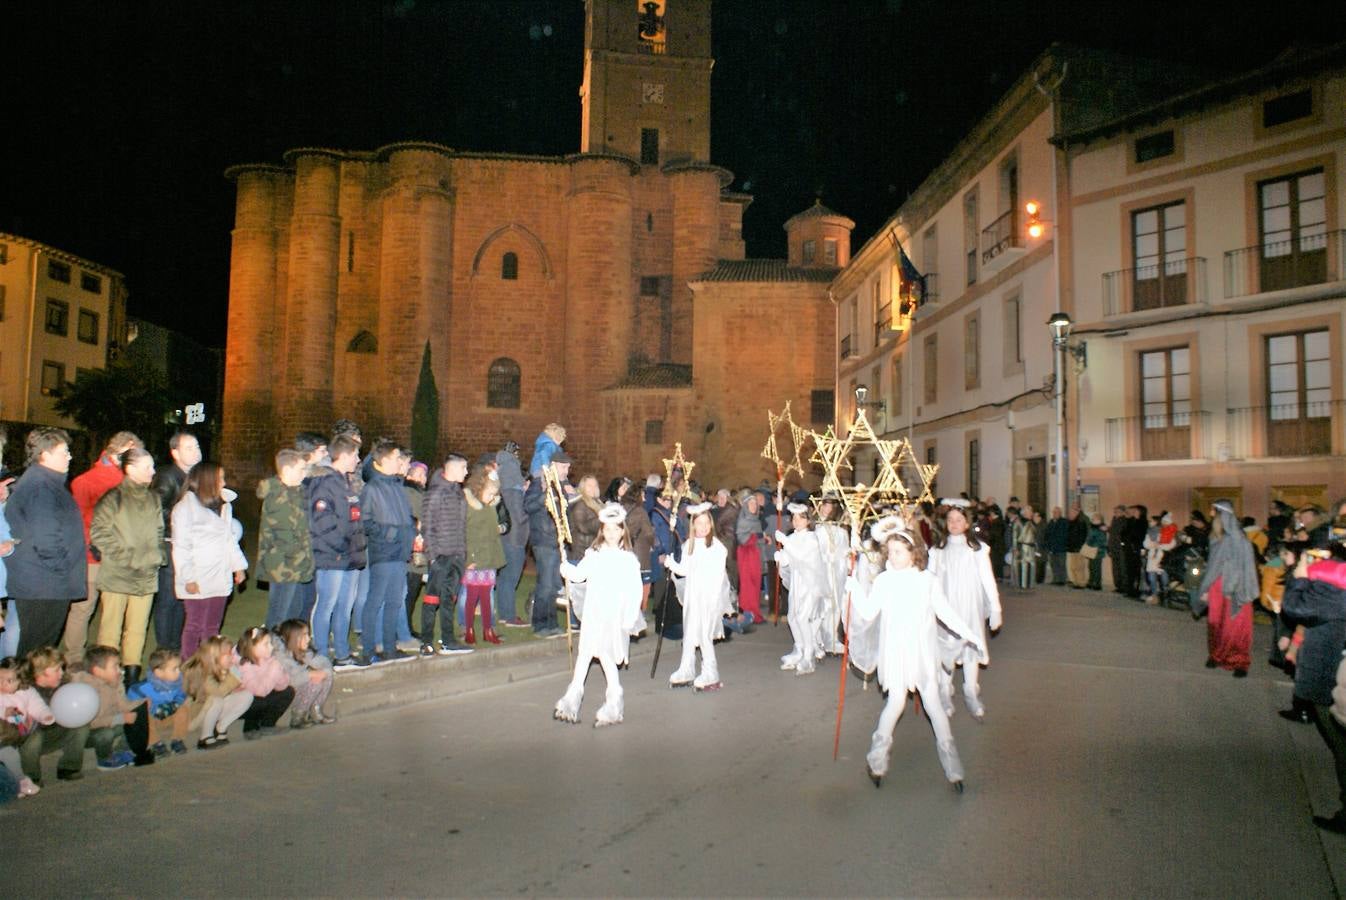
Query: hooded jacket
{"type": "Point", "coordinates": [205, 549]}
{"type": "Point", "coordinates": [386, 515]}
{"type": "Point", "coordinates": [334, 527]}
{"type": "Point", "coordinates": [128, 530]}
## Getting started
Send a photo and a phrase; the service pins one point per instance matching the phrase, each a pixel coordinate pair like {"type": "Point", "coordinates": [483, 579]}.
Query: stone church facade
{"type": "Point", "coordinates": [606, 290]}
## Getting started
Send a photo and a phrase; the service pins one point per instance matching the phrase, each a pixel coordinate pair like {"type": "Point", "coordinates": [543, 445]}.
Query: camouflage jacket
{"type": "Point", "coordinates": [284, 549]}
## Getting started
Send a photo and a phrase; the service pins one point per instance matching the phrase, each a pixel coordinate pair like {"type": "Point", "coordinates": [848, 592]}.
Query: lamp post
{"type": "Point", "coordinates": [1059, 324]}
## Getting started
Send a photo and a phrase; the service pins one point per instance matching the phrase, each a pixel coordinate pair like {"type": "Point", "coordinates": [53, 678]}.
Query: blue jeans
{"type": "Point", "coordinates": [361, 597]}
{"type": "Point", "coordinates": [284, 601]}
{"type": "Point", "coordinates": [308, 596]}
{"type": "Point", "coordinates": [1158, 582]}
{"type": "Point", "coordinates": [548, 561]}
{"type": "Point", "coordinates": [332, 612]}
{"type": "Point", "coordinates": [507, 583]}
{"type": "Point", "coordinates": [383, 608]}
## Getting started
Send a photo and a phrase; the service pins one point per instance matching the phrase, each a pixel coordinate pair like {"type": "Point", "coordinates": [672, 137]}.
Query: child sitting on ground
{"type": "Point", "coordinates": [263, 677]}
{"type": "Point", "coordinates": [119, 731]}
{"type": "Point", "coordinates": [216, 697]}
{"type": "Point", "coordinates": [43, 669]}
{"type": "Point", "coordinates": [22, 710]}
{"type": "Point", "coordinates": [310, 675]}
{"type": "Point", "coordinates": [167, 702]}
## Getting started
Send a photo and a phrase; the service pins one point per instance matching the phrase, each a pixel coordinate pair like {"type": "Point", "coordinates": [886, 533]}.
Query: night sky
{"type": "Point", "coordinates": [119, 117]}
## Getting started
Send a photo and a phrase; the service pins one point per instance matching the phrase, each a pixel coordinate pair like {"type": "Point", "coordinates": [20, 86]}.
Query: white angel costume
{"type": "Point", "coordinates": [706, 599]}
{"type": "Point", "coordinates": [610, 612]}
{"type": "Point", "coordinates": [834, 542]}
{"type": "Point", "coordinates": [969, 584]}
{"type": "Point", "coordinates": [803, 570]}
{"type": "Point", "coordinates": [894, 630]}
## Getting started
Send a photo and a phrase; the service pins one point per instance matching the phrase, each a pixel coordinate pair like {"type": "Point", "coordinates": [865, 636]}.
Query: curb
{"type": "Point", "coordinates": [432, 678]}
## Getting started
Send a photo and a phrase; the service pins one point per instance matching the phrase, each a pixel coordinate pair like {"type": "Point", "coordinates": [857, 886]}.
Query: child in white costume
{"type": "Point", "coordinates": [802, 569]}
{"type": "Point", "coordinates": [705, 601]}
{"type": "Point", "coordinates": [893, 630]}
{"type": "Point", "coordinates": [963, 566]}
{"type": "Point", "coordinates": [611, 611]}
{"type": "Point", "coordinates": [835, 544]}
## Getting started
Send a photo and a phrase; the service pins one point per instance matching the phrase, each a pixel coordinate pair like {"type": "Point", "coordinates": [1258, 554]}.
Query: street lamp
{"type": "Point", "coordinates": [1059, 325]}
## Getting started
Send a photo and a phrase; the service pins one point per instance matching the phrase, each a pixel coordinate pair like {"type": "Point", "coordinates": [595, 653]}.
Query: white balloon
{"type": "Point", "coordinates": [74, 705]}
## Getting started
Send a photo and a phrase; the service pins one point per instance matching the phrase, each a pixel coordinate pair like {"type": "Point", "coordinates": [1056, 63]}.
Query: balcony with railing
{"type": "Point", "coordinates": [1176, 282]}
{"type": "Point", "coordinates": [883, 323]}
{"type": "Point", "coordinates": [1304, 260]}
{"type": "Point", "coordinates": [1289, 429]}
{"type": "Point", "coordinates": [1001, 242]}
{"type": "Point", "coordinates": [848, 348]}
{"type": "Point", "coordinates": [931, 287]}
{"type": "Point", "coordinates": [1183, 435]}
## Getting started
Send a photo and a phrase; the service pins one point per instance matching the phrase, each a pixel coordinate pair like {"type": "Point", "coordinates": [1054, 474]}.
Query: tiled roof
{"type": "Point", "coordinates": [765, 270]}
{"type": "Point", "coordinates": [659, 375]}
{"type": "Point", "coordinates": [817, 211]}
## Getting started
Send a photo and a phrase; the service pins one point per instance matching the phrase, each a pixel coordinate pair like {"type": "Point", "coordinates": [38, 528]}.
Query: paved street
{"type": "Point", "coordinates": [1111, 763]}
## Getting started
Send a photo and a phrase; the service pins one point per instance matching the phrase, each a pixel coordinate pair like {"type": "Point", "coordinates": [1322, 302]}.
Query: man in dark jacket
{"type": "Point", "coordinates": [512, 487]}
{"type": "Point", "coordinates": [1056, 542]}
{"type": "Point", "coordinates": [389, 531]}
{"type": "Point", "coordinates": [47, 568]}
{"type": "Point", "coordinates": [338, 549]}
{"type": "Point", "coordinates": [546, 551]}
{"type": "Point", "coordinates": [1116, 540]}
{"type": "Point", "coordinates": [1133, 549]}
{"type": "Point", "coordinates": [444, 526]}
{"type": "Point", "coordinates": [169, 615]}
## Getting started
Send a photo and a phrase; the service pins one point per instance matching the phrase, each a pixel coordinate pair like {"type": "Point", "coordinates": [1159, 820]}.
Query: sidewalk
{"type": "Point", "coordinates": [428, 678]}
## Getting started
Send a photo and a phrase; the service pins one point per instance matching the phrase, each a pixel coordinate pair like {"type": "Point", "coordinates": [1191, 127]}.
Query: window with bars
{"type": "Point", "coordinates": [830, 251]}
{"type": "Point", "coordinates": [91, 283]}
{"type": "Point", "coordinates": [509, 267]}
{"type": "Point", "coordinates": [810, 251]}
{"type": "Point", "coordinates": [654, 432]}
{"type": "Point", "coordinates": [58, 271]}
{"type": "Point", "coordinates": [649, 285]}
{"type": "Point", "coordinates": [503, 384]}
{"type": "Point", "coordinates": [1013, 332]}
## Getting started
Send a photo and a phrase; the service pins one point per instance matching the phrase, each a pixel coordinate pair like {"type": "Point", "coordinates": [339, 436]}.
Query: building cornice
{"type": "Point", "coordinates": [62, 255]}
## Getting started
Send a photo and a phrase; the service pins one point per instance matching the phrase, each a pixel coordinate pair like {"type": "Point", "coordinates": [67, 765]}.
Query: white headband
{"type": "Point", "coordinates": [798, 509]}
{"type": "Point", "coordinates": [698, 509]}
{"type": "Point", "coordinates": [612, 514]}
{"type": "Point", "coordinates": [957, 503]}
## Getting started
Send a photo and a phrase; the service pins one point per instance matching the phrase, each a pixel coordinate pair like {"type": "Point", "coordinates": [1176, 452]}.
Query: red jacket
{"type": "Point", "coordinates": [90, 487]}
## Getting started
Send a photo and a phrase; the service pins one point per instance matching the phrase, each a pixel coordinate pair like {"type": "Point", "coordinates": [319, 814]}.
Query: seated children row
{"type": "Point", "coordinates": [256, 680]}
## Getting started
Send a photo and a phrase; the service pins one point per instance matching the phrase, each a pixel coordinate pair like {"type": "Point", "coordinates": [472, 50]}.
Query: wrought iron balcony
{"type": "Point", "coordinates": [1290, 429]}
{"type": "Point", "coordinates": [1176, 282]}
{"type": "Point", "coordinates": [848, 347]}
{"type": "Point", "coordinates": [931, 287]}
{"type": "Point", "coordinates": [883, 323]}
{"type": "Point", "coordinates": [1000, 236]}
{"type": "Point", "coordinates": [1174, 436]}
{"type": "Point", "coordinates": [1277, 265]}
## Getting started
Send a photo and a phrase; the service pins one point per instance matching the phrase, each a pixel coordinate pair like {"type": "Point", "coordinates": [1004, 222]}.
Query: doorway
{"type": "Point", "coordinates": [1036, 495]}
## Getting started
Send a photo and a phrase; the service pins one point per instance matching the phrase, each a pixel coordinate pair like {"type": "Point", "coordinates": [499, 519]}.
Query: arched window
{"type": "Point", "coordinates": [502, 384]}
{"type": "Point", "coordinates": [364, 342]}
{"type": "Point", "coordinates": [509, 267]}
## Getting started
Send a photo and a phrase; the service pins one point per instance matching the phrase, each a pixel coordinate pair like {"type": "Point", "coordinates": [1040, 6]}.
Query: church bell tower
{"type": "Point", "coordinates": [646, 90]}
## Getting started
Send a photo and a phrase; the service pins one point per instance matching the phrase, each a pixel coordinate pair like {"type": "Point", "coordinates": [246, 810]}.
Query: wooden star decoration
{"type": "Point", "coordinates": [925, 471]}
{"type": "Point", "coordinates": [798, 438]}
{"type": "Point", "coordinates": [677, 461]}
{"type": "Point", "coordinates": [833, 454]}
